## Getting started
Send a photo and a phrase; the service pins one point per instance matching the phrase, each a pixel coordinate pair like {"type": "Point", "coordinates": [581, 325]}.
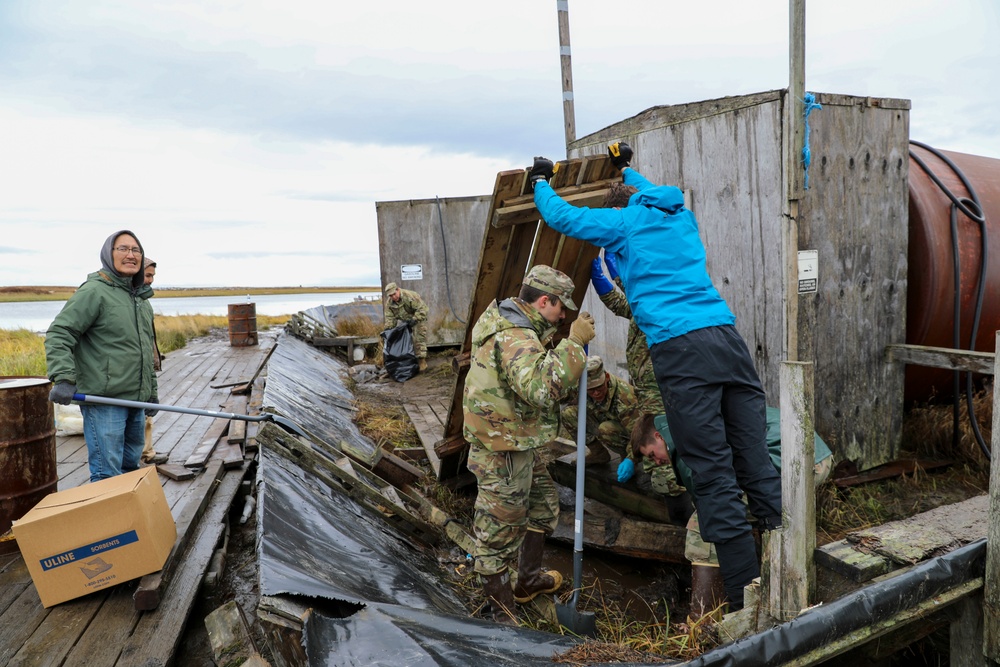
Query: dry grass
{"type": "Point", "coordinates": [385, 423]}
{"type": "Point", "coordinates": [174, 331]}
{"type": "Point", "coordinates": [22, 352]}
{"type": "Point", "coordinates": [928, 429]}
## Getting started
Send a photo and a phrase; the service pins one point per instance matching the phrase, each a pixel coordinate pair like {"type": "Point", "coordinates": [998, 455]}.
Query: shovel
{"type": "Point", "coordinates": [284, 423]}
{"type": "Point", "coordinates": [576, 621]}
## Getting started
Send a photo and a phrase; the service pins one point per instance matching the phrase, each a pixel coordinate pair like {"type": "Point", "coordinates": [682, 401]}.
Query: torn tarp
{"type": "Point", "coordinates": [318, 543]}
{"type": "Point", "coordinates": [306, 385]}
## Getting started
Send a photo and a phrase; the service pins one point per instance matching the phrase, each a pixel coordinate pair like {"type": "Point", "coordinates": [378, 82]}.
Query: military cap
{"type": "Point", "coordinates": [551, 281]}
{"type": "Point", "coordinates": [595, 372]}
{"type": "Point", "coordinates": [390, 289]}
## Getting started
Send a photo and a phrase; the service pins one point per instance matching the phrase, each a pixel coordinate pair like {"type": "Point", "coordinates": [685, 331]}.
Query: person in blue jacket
{"type": "Point", "coordinates": [712, 395]}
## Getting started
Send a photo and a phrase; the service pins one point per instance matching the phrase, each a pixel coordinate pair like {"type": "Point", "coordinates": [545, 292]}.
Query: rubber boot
{"type": "Point", "coordinates": [597, 454]}
{"type": "Point", "coordinates": [499, 598]}
{"type": "Point", "coordinates": [422, 364]}
{"type": "Point", "coordinates": [707, 591]}
{"type": "Point", "coordinates": [531, 580]}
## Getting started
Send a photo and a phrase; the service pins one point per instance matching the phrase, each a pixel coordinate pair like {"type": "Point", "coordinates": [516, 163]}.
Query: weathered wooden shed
{"type": "Point", "coordinates": [839, 305]}
{"type": "Point", "coordinates": [432, 246]}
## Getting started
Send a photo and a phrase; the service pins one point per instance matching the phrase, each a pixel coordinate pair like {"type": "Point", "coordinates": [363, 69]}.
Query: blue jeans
{"type": "Point", "coordinates": [115, 438]}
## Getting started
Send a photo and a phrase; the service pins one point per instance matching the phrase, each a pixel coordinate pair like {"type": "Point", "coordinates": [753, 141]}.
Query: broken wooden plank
{"type": "Point", "coordinates": [229, 635]}
{"type": "Point", "coordinates": [625, 536]}
{"type": "Point", "coordinates": [175, 471]}
{"type": "Point", "coordinates": [841, 557]}
{"type": "Point", "coordinates": [199, 457]}
{"type": "Point", "coordinates": [890, 470]}
{"type": "Point", "coordinates": [941, 357]}
{"type": "Point", "coordinates": [283, 620]}
{"type": "Point", "coordinates": [601, 483]}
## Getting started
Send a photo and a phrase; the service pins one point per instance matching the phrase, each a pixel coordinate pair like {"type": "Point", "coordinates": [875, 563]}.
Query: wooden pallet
{"type": "Point", "coordinates": [513, 242]}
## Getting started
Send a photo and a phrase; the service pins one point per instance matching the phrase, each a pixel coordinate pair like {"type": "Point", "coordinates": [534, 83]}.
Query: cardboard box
{"type": "Point", "coordinates": [97, 535]}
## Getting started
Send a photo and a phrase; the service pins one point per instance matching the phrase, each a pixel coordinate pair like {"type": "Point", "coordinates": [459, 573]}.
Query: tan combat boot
{"type": "Point", "coordinates": [422, 365]}
{"type": "Point", "coordinates": [531, 580]}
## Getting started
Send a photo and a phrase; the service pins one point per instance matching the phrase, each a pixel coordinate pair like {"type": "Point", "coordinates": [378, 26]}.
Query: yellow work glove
{"type": "Point", "coordinates": [582, 331]}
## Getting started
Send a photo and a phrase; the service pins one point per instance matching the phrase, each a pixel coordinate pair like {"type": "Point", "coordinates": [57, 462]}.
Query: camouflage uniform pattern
{"type": "Point", "coordinates": [511, 409]}
{"type": "Point", "coordinates": [610, 422]}
{"type": "Point", "coordinates": [637, 359]}
{"type": "Point", "coordinates": [410, 308]}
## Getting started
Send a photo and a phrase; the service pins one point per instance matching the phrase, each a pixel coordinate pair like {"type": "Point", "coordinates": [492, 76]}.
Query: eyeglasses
{"type": "Point", "coordinates": [124, 249]}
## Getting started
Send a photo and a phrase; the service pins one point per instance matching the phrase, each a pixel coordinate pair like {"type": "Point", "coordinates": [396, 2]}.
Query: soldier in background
{"type": "Point", "coordinates": [511, 411]}
{"type": "Point", "coordinates": [403, 305]}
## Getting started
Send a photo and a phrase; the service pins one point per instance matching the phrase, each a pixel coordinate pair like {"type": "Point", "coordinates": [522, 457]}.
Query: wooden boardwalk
{"type": "Point", "coordinates": [107, 628]}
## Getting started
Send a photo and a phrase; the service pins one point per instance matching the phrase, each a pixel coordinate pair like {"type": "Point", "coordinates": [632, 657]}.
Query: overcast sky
{"type": "Point", "coordinates": [246, 142]}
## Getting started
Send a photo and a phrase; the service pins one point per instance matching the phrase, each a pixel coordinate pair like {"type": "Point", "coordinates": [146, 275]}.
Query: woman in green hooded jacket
{"type": "Point", "coordinates": [101, 343]}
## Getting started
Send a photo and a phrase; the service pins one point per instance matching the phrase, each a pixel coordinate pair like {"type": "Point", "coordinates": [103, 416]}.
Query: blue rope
{"type": "Point", "coordinates": [811, 103]}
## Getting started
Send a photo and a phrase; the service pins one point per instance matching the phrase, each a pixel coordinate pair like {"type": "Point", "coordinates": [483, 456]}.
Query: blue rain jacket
{"type": "Point", "coordinates": [661, 258]}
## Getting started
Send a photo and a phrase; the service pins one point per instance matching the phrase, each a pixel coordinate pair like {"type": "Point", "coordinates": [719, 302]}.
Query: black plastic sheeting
{"type": "Point", "coordinates": [397, 352]}
{"type": "Point", "coordinates": [306, 385]}
{"type": "Point", "coordinates": [861, 609]}
{"type": "Point", "coordinates": [318, 543]}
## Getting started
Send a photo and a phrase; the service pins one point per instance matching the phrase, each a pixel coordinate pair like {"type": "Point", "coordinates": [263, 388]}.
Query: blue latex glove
{"type": "Point", "coordinates": [625, 470]}
{"type": "Point", "coordinates": [597, 278]}
{"type": "Point", "coordinates": [612, 261]}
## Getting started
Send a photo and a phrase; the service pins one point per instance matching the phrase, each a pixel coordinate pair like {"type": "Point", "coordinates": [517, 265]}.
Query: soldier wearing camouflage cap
{"type": "Point", "coordinates": [612, 410]}
{"type": "Point", "coordinates": [403, 305]}
{"type": "Point", "coordinates": [515, 384]}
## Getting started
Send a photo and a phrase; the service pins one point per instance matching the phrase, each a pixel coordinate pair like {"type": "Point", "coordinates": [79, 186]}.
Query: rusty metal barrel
{"type": "Point", "coordinates": [242, 324]}
{"type": "Point", "coordinates": [930, 302]}
{"type": "Point", "coordinates": [27, 449]}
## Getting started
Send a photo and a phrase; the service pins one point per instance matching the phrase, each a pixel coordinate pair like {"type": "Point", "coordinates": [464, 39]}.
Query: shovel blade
{"type": "Point", "coordinates": [287, 424]}
{"type": "Point", "coordinates": [582, 623]}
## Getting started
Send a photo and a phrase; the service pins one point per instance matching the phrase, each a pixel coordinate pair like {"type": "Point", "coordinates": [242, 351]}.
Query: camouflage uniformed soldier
{"type": "Point", "coordinates": [611, 413]}
{"type": "Point", "coordinates": [511, 409]}
{"type": "Point", "coordinates": [403, 305]}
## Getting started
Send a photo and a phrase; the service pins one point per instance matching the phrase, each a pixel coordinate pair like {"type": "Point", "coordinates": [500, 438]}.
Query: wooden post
{"type": "Point", "coordinates": [791, 570]}
{"type": "Point", "coordinates": [796, 93]}
{"type": "Point", "coordinates": [965, 647]}
{"type": "Point", "coordinates": [566, 64]}
{"type": "Point", "coordinates": [991, 583]}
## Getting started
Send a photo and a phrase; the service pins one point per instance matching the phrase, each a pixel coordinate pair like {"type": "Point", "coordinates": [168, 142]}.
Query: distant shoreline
{"type": "Point", "coordinates": [61, 293]}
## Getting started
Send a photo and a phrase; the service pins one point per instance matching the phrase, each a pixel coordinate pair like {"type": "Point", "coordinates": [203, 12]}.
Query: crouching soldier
{"type": "Point", "coordinates": [511, 410]}
{"type": "Point", "coordinates": [612, 410]}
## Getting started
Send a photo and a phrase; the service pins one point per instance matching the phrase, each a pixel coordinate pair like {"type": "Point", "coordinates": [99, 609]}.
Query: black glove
{"type": "Point", "coordinates": [151, 412]}
{"type": "Point", "coordinates": [621, 154]}
{"type": "Point", "coordinates": [541, 170]}
{"type": "Point", "coordinates": [62, 393]}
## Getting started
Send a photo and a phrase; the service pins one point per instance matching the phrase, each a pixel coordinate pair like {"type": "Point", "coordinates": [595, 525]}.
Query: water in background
{"type": "Point", "coordinates": [37, 315]}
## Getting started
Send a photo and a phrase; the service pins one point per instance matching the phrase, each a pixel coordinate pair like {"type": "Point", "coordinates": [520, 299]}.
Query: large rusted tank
{"type": "Point", "coordinates": [27, 449]}
{"type": "Point", "coordinates": [930, 299]}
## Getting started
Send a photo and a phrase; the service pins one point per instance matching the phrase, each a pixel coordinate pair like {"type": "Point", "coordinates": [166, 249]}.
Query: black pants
{"type": "Point", "coordinates": [715, 408]}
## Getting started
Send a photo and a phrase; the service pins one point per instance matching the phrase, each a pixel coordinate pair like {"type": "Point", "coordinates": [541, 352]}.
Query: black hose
{"type": "Point", "coordinates": [444, 242]}
{"type": "Point", "coordinates": [974, 211]}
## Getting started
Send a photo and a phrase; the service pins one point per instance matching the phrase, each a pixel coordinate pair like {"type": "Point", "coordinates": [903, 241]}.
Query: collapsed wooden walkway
{"type": "Point", "coordinates": [141, 622]}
